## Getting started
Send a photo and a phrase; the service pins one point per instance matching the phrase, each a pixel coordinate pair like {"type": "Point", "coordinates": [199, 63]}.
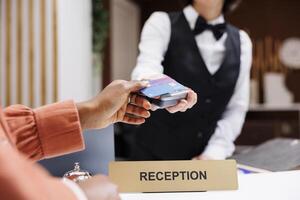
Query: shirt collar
{"type": "Point", "coordinates": [191, 15]}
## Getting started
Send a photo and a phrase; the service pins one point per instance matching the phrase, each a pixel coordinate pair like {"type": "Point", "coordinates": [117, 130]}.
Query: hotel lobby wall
{"type": "Point", "coordinates": [125, 35]}
{"type": "Point", "coordinates": [45, 51]}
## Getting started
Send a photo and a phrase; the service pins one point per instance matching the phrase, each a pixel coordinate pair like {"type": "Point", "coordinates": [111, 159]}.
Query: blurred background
{"type": "Point", "coordinates": [53, 50]}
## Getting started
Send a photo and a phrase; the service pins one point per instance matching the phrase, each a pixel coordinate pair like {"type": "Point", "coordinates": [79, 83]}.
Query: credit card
{"type": "Point", "coordinates": [162, 86]}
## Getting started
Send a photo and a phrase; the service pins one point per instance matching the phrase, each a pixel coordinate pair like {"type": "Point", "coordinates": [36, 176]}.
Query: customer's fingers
{"type": "Point", "coordinates": [133, 120]}
{"type": "Point", "coordinates": [137, 111]}
{"type": "Point", "coordinates": [140, 101]}
{"type": "Point", "coordinates": [134, 86]}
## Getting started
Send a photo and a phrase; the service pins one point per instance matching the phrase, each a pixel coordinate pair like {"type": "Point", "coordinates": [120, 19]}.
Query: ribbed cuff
{"type": "Point", "coordinates": [59, 129]}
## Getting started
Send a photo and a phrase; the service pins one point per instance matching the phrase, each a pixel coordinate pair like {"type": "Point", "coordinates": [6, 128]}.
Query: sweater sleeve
{"type": "Point", "coordinates": [45, 132]}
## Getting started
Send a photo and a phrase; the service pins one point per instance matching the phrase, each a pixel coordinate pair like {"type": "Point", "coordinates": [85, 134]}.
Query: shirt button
{"type": "Point", "coordinates": [208, 100]}
{"type": "Point", "coordinates": [199, 135]}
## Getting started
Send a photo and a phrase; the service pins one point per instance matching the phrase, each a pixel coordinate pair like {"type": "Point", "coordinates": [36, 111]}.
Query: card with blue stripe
{"type": "Point", "coordinates": [162, 86]}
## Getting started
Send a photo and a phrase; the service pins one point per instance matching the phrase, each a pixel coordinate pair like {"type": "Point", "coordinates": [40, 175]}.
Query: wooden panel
{"type": "Point", "coordinates": [24, 57]}
{"type": "Point", "coordinates": [43, 88]}
{"type": "Point", "coordinates": [8, 52]}
{"type": "Point", "coordinates": [1, 28]}
{"type": "Point", "coordinates": [55, 50]}
{"type": "Point", "coordinates": [19, 52]}
{"type": "Point", "coordinates": [125, 37]}
{"type": "Point", "coordinates": [149, 6]}
{"type": "Point", "coordinates": [31, 53]}
{"type": "Point", "coordinates": [277, 18]}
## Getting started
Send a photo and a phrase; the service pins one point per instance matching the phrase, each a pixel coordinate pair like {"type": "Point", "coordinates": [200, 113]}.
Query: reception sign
{"type": "Point", "coordinates": [174, 176]}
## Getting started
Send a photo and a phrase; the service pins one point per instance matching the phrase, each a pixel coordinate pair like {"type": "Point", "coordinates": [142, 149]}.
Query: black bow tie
{"type": "Point", "coordinates": [201, 25]}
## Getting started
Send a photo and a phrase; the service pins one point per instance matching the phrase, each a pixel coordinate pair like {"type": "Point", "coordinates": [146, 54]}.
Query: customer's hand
{"type": "Point", "coordinates": [115, 104]}
{"type": "Point", "coordinates": [100, 188]}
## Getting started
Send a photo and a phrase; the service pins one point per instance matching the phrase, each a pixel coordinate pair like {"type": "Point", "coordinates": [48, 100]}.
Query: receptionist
{"type": "Point", "coordinates": [200, 49]}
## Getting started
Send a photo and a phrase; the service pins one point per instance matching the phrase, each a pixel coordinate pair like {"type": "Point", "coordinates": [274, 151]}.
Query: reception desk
{"type": "Point", "coordinates": [263, 186]}
{"type": "Point", "coordinates": [264, 123]}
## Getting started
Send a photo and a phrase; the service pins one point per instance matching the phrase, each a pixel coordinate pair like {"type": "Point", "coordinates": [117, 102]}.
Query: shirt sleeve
{"type": "Point", "coordinates": [221, 144]}
{"type": "Point", "coordinates": [45, 132]}
{"type": "Point", "coordinates": [22, 179]}
{"type": "Point", "coordinates": [154, 43]}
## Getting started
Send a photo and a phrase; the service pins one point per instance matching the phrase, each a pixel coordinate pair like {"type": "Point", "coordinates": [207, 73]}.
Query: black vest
{"type": "Point", "coordinates": [184, 135]}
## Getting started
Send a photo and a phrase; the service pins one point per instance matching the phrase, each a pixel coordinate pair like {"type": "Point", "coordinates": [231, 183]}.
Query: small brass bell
{"type": "Point", "coordinates": [77, 175]}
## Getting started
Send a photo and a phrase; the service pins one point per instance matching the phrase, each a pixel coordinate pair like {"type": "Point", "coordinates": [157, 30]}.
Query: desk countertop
{"type": "Point", "coordinates": [263, 186]}
{"type": "Point", "coordinates": [277, 108]}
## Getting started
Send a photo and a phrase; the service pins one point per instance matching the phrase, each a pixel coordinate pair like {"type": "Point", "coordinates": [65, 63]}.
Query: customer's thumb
{"type": "Point", "coordinates": [134, 86]}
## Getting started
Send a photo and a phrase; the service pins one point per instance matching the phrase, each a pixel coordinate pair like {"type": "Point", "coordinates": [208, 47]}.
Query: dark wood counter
{"type": "Point", "coordinates": [268, 122]}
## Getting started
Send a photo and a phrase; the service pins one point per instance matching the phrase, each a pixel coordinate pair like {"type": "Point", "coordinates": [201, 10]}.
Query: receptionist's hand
{"type": "Point", "coordinates": [202, 157]}
{"type": "Point", "coordinates": [100, 188]}
{"type": "Point", "coordinates": [115, 103]}
{"type": "Point", "coordinates": [184, 104]}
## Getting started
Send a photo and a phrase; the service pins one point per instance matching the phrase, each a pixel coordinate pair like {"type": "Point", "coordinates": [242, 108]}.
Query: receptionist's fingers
{"type": "Point", "coordinates": [198, 158]}
{"type": "Point", "coordinates": [191, 98]}
{"type": "Point", "coordinates": [137, 111]}
{"type": "Point", "coordinates": [140, 101]}
{"type": "Point", "coordinates": [181, 106]}
{"type": "Point", "coordinates": [202, 157]}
